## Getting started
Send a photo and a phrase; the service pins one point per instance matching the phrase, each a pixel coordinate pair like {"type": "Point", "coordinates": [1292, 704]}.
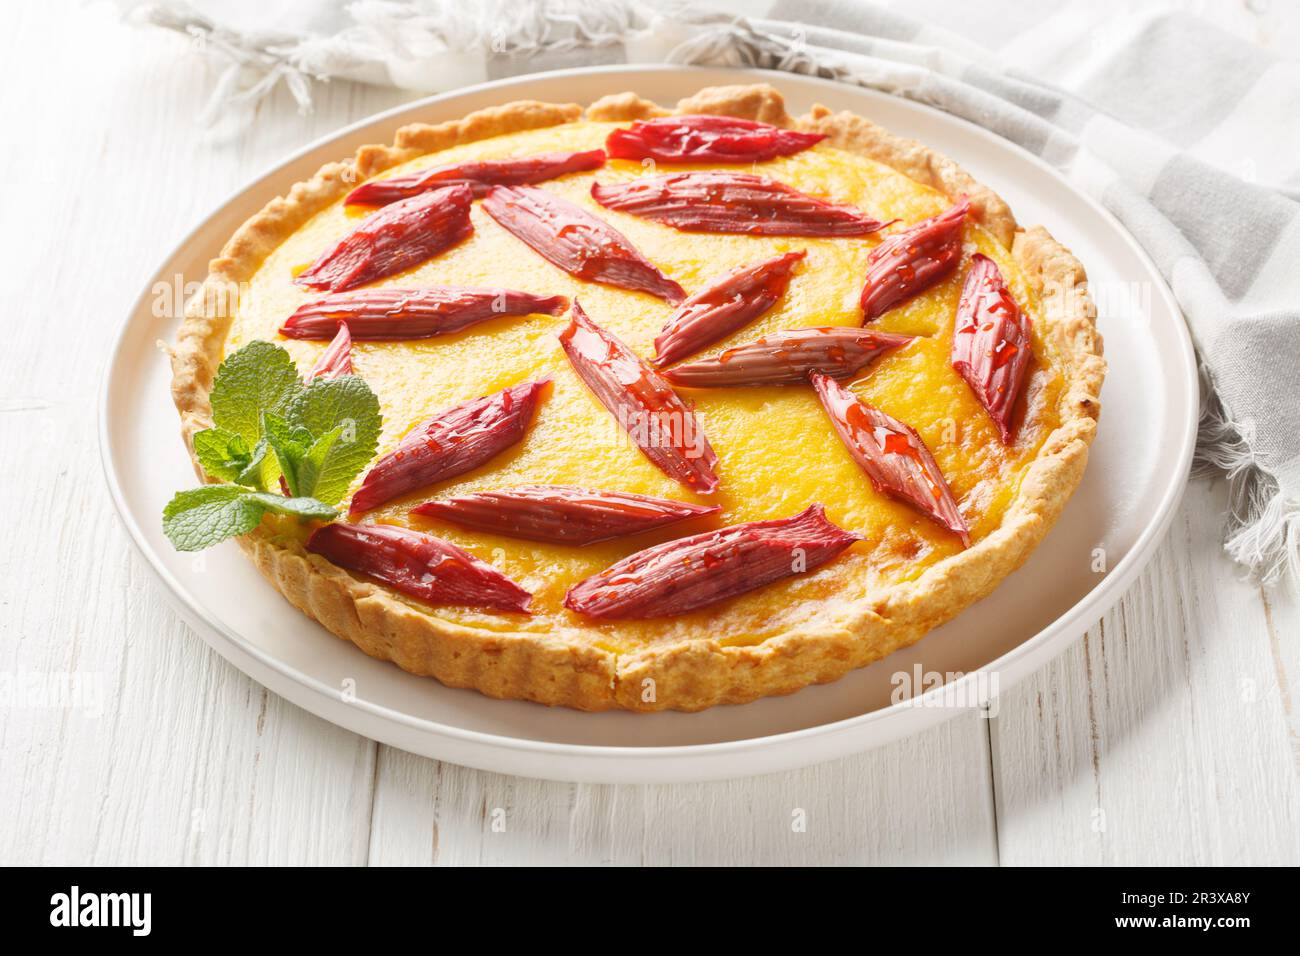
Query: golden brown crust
{"type": "Point", "coordinates": [701, 673]}
{"type": "Point", "coordinates": [916, 161]}
{"type": "Point", "coordinates": [503, 665]}
{"type": "Point", "coordinates": [623, 107]}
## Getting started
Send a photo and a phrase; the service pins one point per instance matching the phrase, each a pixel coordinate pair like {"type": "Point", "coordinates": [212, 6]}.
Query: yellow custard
{"type": "Point", "coordinates": [777, 451]}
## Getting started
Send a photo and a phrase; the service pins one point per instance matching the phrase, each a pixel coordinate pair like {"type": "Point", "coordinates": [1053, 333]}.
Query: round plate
{"type": "Point", "coordinates": [1137, 472]}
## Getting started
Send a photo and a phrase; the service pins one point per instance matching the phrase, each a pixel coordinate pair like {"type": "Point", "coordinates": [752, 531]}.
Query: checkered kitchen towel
{"type": "Point", "coordinates": [1188, 135]}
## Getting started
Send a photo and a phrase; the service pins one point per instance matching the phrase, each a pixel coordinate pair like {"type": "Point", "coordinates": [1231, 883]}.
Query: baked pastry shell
{"type": "Point", "coordinates": [701, 672]}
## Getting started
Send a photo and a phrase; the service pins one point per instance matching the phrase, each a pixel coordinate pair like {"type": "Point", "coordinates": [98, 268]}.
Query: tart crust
{"type": "Point", "coordinates": [698, 673]}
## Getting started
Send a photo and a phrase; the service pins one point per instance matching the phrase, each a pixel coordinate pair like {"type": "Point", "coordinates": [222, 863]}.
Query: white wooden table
{"type": "Point", "coordinates": [1168, 735]}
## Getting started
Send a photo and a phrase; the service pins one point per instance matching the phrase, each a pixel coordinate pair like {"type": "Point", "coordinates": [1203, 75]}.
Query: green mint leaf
{"type": "Point", "coordinates": [290, 444]}
{"type": "Point", "coordinates": [307, 508]}
{"type": "Point", "coordinates": [347, 403]}
{"type": "Point", "coordinates": [267, 425]}
{"type": "Point", "coordinates": [263, 470]}
{"type": "Point", "coordinates": [258, 377]}
{"type": "Point", "coordinates": [201, 517]}
{"type": "Point", "coordinates": [309, 468]}
{"type": "Point", "coordinates": [223, 454]}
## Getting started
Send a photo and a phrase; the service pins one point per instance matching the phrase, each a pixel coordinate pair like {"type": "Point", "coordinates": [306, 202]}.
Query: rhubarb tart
{"type": "Point", "coordinates": [631, 406]}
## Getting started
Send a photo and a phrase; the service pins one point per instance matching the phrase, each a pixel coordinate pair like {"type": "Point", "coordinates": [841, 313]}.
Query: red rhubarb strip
{"type": "Point", "coordinates": [786, 358]}
{"type": "Point", "coordinates": [892, 454]}
{"type": "Point", "coordinates": [451, 443]}
{"type": "Point", "coordinates": [734, 203]}
{"type": "Point", "coordinates": [991, 345]}
{"type": "Point", "coordinates": [479, 175]}
{"type": "Point", "coordinates": [560, 514]}
{"type": "Point", "coordinates": [420, 565]}
{"type": "Point", "coordinates": [689, 573]}
{"type": "Point", "coordinates": [394, 314]}
{"type": "Point", "coordinates": [706, 139]}
{"type": "Point", "coordinates": [576, 241]}
{"type": "Point", "coordinates": [336, 360]}
{"type": "Point", "coordinates": [724, 305]}
{"type": "Point", "coordinates": [396, 238]}
{"type": "Point", "coordinates": [654, 416]}
{"type": "Point", "coordinates": [913, 260]}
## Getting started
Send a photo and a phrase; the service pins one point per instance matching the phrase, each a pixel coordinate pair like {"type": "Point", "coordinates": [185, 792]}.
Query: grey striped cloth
{"type": "Point", "coordinates": [1188, 135]}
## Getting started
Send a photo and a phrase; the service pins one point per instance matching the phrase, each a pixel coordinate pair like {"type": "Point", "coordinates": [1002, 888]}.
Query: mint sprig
{"type": "Point", "coordinates": [348, 406]}
{"type": "Point", "coordinates": [258, 378]}
{"type": "Point", "coordinates": [268, 425]}
{"type": "Point", "coordinates": [201, 517]}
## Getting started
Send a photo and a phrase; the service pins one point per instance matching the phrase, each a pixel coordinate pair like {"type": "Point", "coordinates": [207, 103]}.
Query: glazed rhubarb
{"type": "Point", "coordinates": [419, 565]}
{"type": "Point", "coordinates": [576, 241]}
{"type": "Point", "coordinates": [724, 305]}
{"type": "Point", "coordinates": [395, 314]}
{"type": "Point", "coordinates": [561, 515]}
{"type": "Point", "coordinates": [892, 454]}
{"type": "Point", "coordinates": [786, 358]}
{"type": "Point", "coordinates": [911, 261]}
{"type": "Point", "coordinates": [706, 139]}
{"type": "Point", "coordinates": [689, 573]}
{"type": "Point", "coordinates": [336, 360]}
{"type": "Point", "coordinates": [451, 443]}
{"type": "Point", "coordinates": [733, 203]}
{"type": "Point", "coordinates": [394, 239]}
{"type": "Point", "coordinates": [480, 176]}
{"type": "Point", "coordinates": [991, 342]}
{"type": "Point", "coordinates": [654, 416]}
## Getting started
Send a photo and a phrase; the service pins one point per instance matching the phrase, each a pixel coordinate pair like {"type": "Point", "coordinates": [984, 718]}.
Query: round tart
{"type": "Point", "coordinates": [900, 474]}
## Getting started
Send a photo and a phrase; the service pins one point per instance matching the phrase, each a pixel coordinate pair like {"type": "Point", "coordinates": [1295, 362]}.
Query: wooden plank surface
{"type": "Point", "coordinates": [1170, 735]}
{"type": "Point", "coordinates": [1167, 735]}
{"type": "Point", "coordinates": [926, 799]}
{"type": "Point", "coordinates": [172, 756]}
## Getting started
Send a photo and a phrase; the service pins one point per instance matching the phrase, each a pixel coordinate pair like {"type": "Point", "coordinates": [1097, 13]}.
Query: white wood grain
{"type": "Point", "coordinates": [1177, 717]}
{"type": "Point", "coordinates": [1163, 737]}
{"type": "Point", "coordinates": [926, 799]}
{"type": "Point", "coordinates": [1282, 631]}
{"type": "Point", "coordinates": [179, 758]}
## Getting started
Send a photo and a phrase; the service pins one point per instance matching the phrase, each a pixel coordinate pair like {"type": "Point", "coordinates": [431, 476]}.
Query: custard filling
{"type": "Point", "coordinates": [777, 450]}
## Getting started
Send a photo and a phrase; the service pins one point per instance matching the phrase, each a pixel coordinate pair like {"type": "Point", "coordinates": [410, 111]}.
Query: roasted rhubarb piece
{"type": "Point", "coordinates": [394, 239]}
{"type": "Point", "coordinates": [412, 313]}
{"type": "Point", "coordinates": [560, 514]}
{"type": "Point", "coordinates": [892, 454]}
{"type": "Point", "coordinates": [990, 342]}
{"type": "Point", "coordinates": [732, 202]}
{"type": "Point", "coordinates": [913, 260]}
{"type": "Point", "coordinates": [576, 241]}
{"type": "Point", "coordinates": [786, 358]}
{"type": "Point", "coordinates": [451, 443]}
{"type": "Point", "coordinates": [420, 565]}
{"type": "Point", "coordinates": [654, 416]}
{"type": "Point", "coordinates": [336, 360]}
{"type": "Point", "coordinates": [479, 175]}
{"type": "Point", "coordinates": [706, 139]}
{"type": "Point", "coordinates": [723, 306]}
{"type": "Point", "coordinates": [679, 576]}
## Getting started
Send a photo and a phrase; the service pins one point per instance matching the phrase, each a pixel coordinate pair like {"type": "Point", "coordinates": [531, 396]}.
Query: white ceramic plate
{"type": "Point", "coordinates": [1137, 471]}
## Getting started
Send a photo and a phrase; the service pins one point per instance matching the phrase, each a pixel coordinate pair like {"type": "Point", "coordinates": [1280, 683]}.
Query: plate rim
{"type": "Point", "coordinates": [1088, 608]}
